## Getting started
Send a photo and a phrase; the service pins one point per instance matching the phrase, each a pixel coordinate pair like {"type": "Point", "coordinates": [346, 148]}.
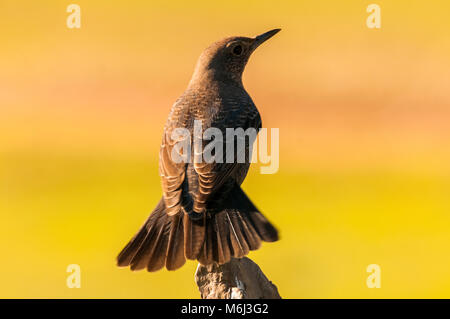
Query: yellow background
{"type": "Point", "coordinates": [364, 120]}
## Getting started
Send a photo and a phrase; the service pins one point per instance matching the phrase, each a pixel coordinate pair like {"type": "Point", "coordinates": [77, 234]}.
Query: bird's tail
{"type": "Point", "coordinates": [230, 231]}
{"type": "Point", "coordinates": [159, 243]}
{"type": "Point", "coordinates": [234, 230]}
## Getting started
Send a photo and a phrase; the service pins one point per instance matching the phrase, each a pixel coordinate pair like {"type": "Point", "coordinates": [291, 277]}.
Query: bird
{"type": "Point", "coordinates": [204, 214]}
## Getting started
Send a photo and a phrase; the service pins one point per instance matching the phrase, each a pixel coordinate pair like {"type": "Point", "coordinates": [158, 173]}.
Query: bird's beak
{"type": "Point", "coordinates": [264, 37]}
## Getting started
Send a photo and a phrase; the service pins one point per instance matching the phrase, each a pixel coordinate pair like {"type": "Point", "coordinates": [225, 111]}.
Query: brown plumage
{"type": "Point", "coordinates": [204, 214]}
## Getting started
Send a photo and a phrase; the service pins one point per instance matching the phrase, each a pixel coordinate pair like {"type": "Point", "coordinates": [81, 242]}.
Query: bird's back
{"type": "Point", "coordinates": [218, 105]}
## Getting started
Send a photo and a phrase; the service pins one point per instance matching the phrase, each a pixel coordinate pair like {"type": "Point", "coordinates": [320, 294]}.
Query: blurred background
{"type": "Point", "coordinates": [364, 118]}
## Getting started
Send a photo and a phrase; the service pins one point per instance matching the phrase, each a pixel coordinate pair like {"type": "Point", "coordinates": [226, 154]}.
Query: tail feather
{"type": "Point", "coordinates": [235, 230]}
{"type": "Point", "coordinates": [250, 234]}
{"type": "Point", "coordinates": [175, 250]}
{"type": "Point", "coordinates": [128, 253]}
{"type": "Point", "coordinates": [194, 236]}
{"type": "Point", "coordinates": [238, 242]}
{"type": "Point", "coordinates": [156, 244]}
{"type": "Point", "coordinates": [223, 242]}
{"type": "Point", "coordinates": [206, 253]}
{"type": "Point", "coordinates": [157, 258]}
{"type": "Point", "coordinates": [232, 230]}
{"type": "Point", "coordinates": [264, 228]}
{"type": "Point", "coordinates": [146, 249]}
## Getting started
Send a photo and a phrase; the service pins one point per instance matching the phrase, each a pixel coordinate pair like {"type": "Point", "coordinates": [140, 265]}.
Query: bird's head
{"type": "Point", "coordinates": [225, 60]}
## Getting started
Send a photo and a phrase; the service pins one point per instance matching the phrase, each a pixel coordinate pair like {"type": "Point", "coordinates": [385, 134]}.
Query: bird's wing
{"type": "Point", "coordinates": [172, 172]}
{"type": "Point", "coordinates": [211, 176]}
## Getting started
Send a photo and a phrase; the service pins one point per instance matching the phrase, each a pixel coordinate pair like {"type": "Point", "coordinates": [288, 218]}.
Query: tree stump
{"type": "Point", "coordinates": [237, 279]}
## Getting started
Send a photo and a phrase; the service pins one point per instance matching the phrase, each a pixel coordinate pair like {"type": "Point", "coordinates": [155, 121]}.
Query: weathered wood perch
{"type": "Point", "coordinates": [237, 279]}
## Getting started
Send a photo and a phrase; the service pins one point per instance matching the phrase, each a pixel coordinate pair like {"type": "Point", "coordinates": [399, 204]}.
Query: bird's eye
{"type": "Point", "coordinates": [237, 50]}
